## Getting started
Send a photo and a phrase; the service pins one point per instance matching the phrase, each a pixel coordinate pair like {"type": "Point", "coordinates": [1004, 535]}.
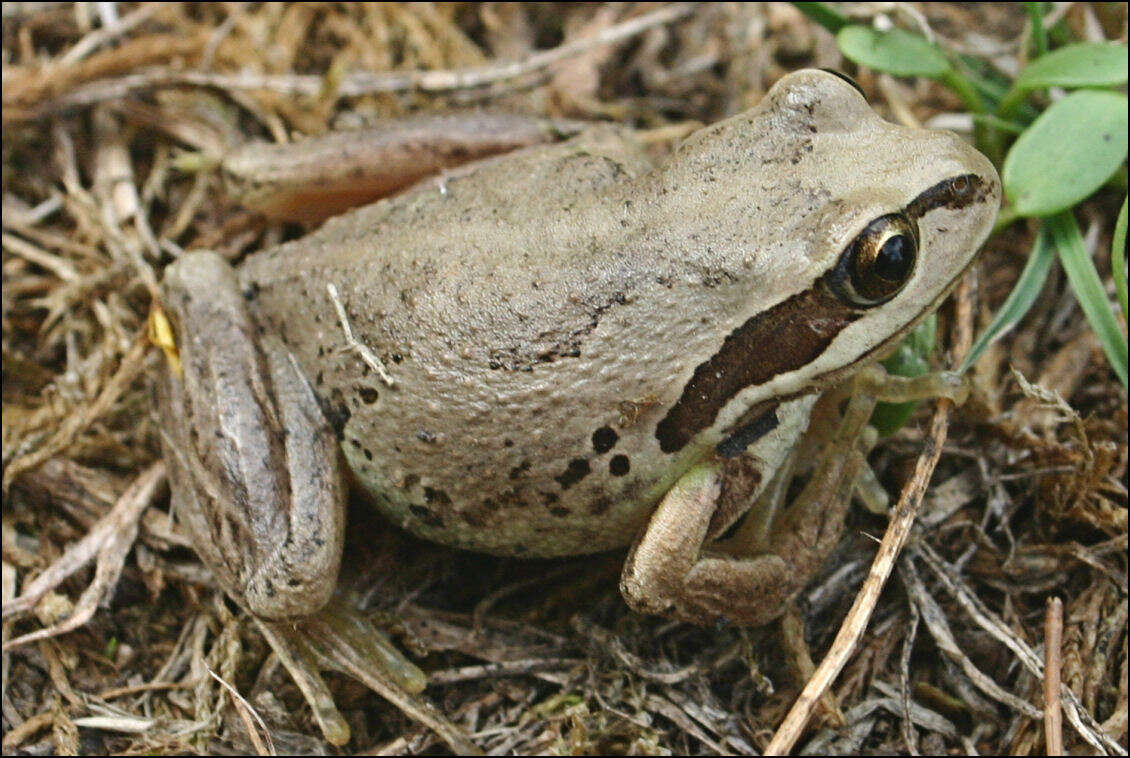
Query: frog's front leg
{"type": "Point", "coordinates": [253, 465]}
{"type": "Point", "coordinates": [749, 577]}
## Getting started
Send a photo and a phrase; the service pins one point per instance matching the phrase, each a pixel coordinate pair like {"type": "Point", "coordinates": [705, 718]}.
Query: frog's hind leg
{"type": "Point", "coordinates": [253, 464]}
{"type": "Point", "coordinates": [749, 578]}
{"type": "Point", "coordinates": [255, 472]}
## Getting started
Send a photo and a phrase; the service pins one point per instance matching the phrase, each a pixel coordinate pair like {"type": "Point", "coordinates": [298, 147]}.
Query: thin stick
{"type": "Point", "coordinates": [893, 541]}
{"type": "Point", "coordinates": [1053, 713]}
{"type": "Point", "coordinates": [359, 83]}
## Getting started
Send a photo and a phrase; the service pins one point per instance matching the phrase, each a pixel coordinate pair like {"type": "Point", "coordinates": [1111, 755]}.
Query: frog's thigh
{"type": "Point", "coordinates": [253, 464]}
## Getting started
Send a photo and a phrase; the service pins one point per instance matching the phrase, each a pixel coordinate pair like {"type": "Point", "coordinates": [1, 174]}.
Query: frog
{"type": "Point", "coordinates": [576, 348]}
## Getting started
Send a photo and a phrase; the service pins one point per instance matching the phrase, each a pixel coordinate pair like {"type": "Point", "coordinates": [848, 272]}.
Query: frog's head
{"type": "Point", "coordinates": [851, 228]}
{"type": "Point", "coordinates": [899, 214]}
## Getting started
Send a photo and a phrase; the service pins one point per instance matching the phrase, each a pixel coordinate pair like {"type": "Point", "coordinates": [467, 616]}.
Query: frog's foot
{"type": "Point", "coordinates": [749, 578]}
{"type": "Point", "coordinates": [339, 638]}
{"type": "Point", "coordinates": [254, 466]}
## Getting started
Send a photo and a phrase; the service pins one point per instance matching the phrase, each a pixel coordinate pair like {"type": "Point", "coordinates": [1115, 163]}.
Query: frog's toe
{"type": "Point", "coordinates": [340, 638]}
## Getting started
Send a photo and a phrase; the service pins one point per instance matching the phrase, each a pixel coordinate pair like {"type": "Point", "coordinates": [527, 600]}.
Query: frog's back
{"type": "Point", "coordinates": [533, 332]}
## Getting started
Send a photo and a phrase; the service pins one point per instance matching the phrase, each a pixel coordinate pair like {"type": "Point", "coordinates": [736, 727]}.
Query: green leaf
{"type": "Point", "coordinates": [823, 14]}
{"type": "Point", "coordinates": [1118, 259]}
{"type": "Point", "coordinates": [1085, 64]}
{"type": "Point", "coordinates": [1020, 300]}
{"type": "Point", "coordinates": [1089, 290]}
{"type": "Point", "coordinates": [895, 51]}
{"type": "Point", "coordinates": [910, 359]}
{"type": "Point", "coordinates": [1067, 153]}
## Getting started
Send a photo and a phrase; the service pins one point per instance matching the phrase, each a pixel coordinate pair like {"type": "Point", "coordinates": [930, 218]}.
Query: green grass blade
{"type": "Point", "coordinates": [1020, 300]}
{"type": "Point", "coordinates": [998, 123]}
{"type": "Point", "coordinates": [1039, 33]}
{"type": "Point", "coordinates": [1088, 289]}
{"type": "Point", "coordinates": [1118, 260]}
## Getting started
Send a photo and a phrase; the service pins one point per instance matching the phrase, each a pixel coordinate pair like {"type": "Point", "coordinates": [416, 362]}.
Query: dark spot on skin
{"type": "Point", "coordinates": [368, 454]}
{"type": "Point", "coordinates": [368, 394]}
{"type": "Point", "coordinates": [428, 518]}
{"type": "Point", "coordinates": [410, 481]}
{"type": "Point", "coordinates": [355, 443]}
{"type": "Point", "coordinates": [560, 511]}
{"type": "Point", "coordinates": [604, 439]}
{"type": "Point", "coordinates": [578, 469]}
{"type": "Point", "coordinates": [436, 497]}
{"type": "Point", "coordinates": [600, 506]}
{"type": "Point", "coordinates": [520, 469]}
{"type": "Point", "coordinates": [787, 336]}
{"type": "Point", "coordinates": [619, 465]}
{"type": "Point", "coordinates": [508, 443]}
{"type": "Point", "coordinates": [336, 411]}
{"type": "Point", "coordinates": [747, 434]}
{"type": "Point", "coordinates": [475, 518]}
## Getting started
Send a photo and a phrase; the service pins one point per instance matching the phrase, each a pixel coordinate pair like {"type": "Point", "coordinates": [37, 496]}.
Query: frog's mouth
{"type": "Point", "coordinates": [796, 331]}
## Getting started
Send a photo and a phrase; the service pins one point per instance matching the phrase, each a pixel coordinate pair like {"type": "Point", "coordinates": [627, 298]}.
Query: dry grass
{"type": "Point", "coordinates": [1028, 502]}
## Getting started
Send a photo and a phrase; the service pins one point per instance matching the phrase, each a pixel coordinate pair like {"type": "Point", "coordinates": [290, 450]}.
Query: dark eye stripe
{"type": "Point", "coordinates": [789, 335]}
{"type": "Point", "coordinates": [953, 193]}
{"type": "Point", "coordinates": [786, 337]}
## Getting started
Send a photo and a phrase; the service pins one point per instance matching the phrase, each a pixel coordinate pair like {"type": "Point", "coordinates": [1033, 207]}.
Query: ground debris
{"type": "Point", "coordinates": [116, 640]}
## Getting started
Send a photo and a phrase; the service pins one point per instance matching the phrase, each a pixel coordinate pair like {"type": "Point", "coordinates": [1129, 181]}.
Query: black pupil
{"type": "Point", "coordinates": [895, 258]}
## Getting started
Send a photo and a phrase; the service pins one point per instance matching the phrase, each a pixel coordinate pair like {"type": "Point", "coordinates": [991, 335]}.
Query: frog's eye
{"type": "Point", "coordinates": [878, 263]}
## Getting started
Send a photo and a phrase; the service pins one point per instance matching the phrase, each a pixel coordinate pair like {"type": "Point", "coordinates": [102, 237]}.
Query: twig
{"type": "Point", "coordinates": [1077, 715]}
{"type": "Point", "coordinates": [501, 669]}
{"type": "Point", "coordinates": [940, 629]}
{"type": "Point", "coordinates": [908, 733]}
{"type": "Point", "coordinates": [361, 83]}
{"type": "Point", "coordinates": [1053, 712]}
{"type": "Point", "coordinates": [131, 365]}
{"type": "Point", "coordinates": [246, 713]}
{"type": "Point", "coordinates": [99, 37]}
{"type": "Point", "coordinates": [110, 541]}
{"type": "Point", "coordinates": [367, 355]}
{"type": "Point", "coordinates": [898, 531]}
